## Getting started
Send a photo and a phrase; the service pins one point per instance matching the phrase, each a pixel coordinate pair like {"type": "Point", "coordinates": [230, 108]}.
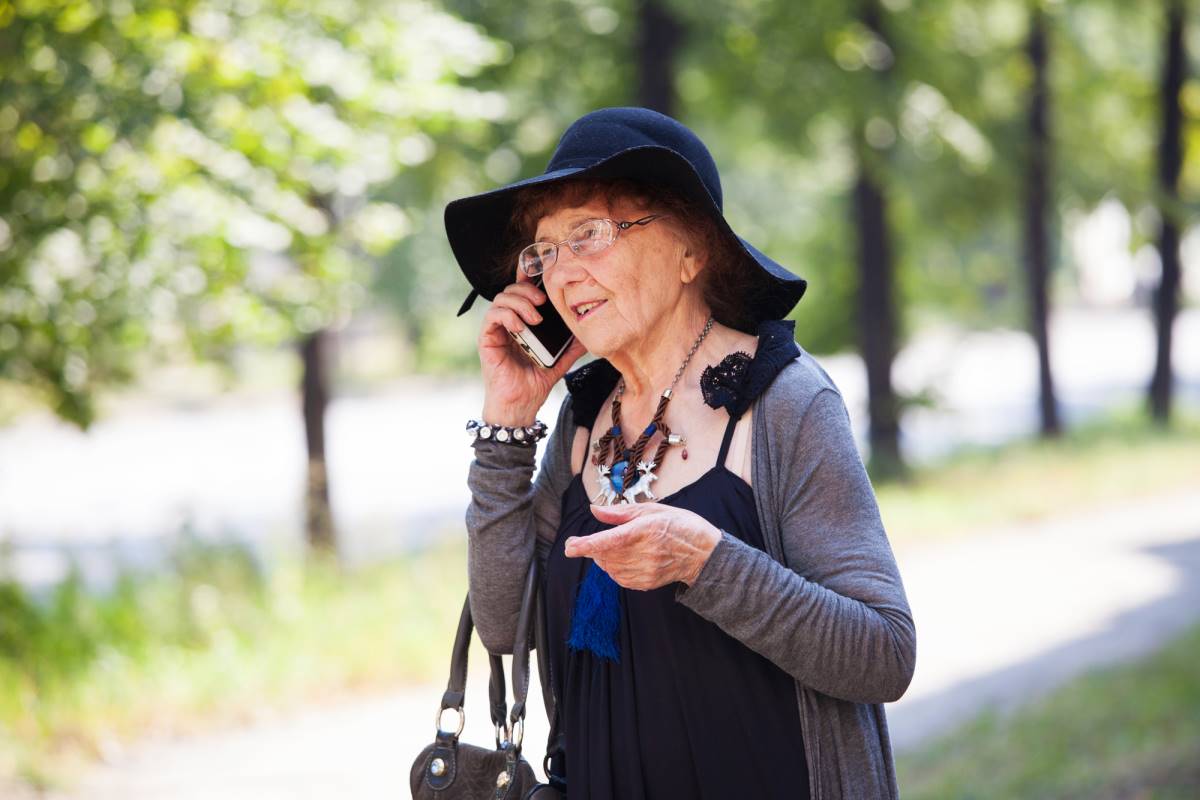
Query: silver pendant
{"type": "Point", "coordinates": [645, 477]}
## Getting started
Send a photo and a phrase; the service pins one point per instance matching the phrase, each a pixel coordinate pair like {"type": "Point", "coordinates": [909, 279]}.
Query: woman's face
{"type": "Point", "coordinates": [638, 281]}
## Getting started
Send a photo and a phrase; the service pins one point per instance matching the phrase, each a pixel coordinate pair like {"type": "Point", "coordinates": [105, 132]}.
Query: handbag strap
{"type": "Point", "coordinates": [542, 644]}
{"type": "Point", "coordinates": [522, 644]}
{"type": "Point", "coordinates": [532, 630]}
{"type": "Point", "coordinates": [555, 742]}
{"type": "Point", "coordinates": [455, 694]}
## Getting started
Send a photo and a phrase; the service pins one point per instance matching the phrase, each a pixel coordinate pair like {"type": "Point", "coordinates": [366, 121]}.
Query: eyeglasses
{"type": "Point", "coordinates": [588, 239]}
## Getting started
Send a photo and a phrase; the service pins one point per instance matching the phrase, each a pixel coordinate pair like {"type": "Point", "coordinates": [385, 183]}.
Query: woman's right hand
{"type": "Point", "coordinates": [514, 387]}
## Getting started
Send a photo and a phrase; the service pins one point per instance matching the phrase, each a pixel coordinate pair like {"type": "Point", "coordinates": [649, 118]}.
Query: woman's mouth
{"type": "Point", "coordinates": [584, 310]}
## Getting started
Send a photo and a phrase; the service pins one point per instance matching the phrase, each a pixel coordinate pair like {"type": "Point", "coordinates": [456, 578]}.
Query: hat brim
{"type": "Point", "coordinates": [479, 227]}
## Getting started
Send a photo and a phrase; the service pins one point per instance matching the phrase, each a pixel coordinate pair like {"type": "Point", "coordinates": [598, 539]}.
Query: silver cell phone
{"type": "Point", "coordinates": [546, 341]}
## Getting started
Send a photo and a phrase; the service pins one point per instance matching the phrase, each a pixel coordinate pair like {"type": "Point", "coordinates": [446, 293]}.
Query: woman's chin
{"type": "Point", "coordinates": [599, 346]}
{"type": "Point", "coordinates": [599, 349]}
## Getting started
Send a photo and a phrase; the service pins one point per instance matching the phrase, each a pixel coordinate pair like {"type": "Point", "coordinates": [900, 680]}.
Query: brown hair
{"type": "Point", "coordinates": [725, 280]}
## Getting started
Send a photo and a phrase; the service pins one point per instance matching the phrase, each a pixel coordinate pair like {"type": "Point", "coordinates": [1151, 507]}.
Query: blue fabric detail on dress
{"type": "Point", "coordinates": [597, 615]}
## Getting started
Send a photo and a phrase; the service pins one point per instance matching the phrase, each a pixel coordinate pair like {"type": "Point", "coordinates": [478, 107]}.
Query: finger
{"type": "Point", "coordinates": [622, 512]}
{"type": "Point", "coordinates": [598, 543]}
{"type": "Point", "coordinates": [498, 317]}
{"type": "Point", "coordinates": [520, 304]}
{"type": "Point", "coordinates": [576, 546]}
{"type": "Point", "coordinates": [527, 289]}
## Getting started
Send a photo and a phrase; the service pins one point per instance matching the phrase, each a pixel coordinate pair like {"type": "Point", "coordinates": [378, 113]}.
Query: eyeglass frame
{"type": "Point", "coordinates": [620, 226]}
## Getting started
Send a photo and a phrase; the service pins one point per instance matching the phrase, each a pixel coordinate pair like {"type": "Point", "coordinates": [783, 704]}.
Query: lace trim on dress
{"type": "Point", "coordinates": [722, 384]}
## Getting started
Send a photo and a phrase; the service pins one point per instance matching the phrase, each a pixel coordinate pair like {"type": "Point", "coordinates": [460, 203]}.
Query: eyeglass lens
{"type": "Point", "coordinates": [590, 237]}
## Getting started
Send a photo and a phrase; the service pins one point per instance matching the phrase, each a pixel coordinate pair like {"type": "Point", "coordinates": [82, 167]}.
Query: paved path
{"type": "Point", "coordinates": [1001, 618]}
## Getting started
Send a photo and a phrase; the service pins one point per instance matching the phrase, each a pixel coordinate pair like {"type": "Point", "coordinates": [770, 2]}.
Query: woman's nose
{"type": "Point", "coordinates": [567, 268]}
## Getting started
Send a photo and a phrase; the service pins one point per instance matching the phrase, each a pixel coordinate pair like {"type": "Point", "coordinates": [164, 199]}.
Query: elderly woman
{"type": "Point", "coordinates": [725, 612]}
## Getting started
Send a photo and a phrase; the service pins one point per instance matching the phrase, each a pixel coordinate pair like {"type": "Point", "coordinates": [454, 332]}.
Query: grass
{"type": "Point", "coordinates": [216, 640]}
{"type": "Point", "coordinates": [1112, 459]}
{"type": "Point", "coordinates": [1129, 731]}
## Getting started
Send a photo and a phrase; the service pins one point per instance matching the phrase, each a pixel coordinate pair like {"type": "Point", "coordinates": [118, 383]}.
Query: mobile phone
{"type": "Point", "coordinates": [546, 341]}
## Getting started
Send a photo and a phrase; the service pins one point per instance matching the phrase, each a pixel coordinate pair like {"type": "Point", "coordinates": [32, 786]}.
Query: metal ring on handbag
{"type": "Point", "coordinates": [503, 733]}
{"type": "Point", "coordinates": [462, 718]}
{"type": "Point", "coordinates": [518, 733]}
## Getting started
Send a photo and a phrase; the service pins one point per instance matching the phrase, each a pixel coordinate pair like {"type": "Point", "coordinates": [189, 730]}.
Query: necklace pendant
{"type": "Point", "coordinates": [608, 494]}
{"type": "Point", "coordinates": [646, 477]}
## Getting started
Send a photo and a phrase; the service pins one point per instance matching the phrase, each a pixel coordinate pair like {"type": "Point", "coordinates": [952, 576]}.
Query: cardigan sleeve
{"type": "Point", "coordinates": [835, 617]}
{"type": "Point", "coordinates": [510, 520]}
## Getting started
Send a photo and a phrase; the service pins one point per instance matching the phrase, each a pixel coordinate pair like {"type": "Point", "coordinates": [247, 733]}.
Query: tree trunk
{"type": "Point", "coordinates": [877, 322]}
{"type": "Point", "coordinates": [876, 294]}
{"type": "Point", "coordinates": [1037, 206]}
{"type": "Point", "coordinates": [659, 38]}
{"type": "Point", "coordinates": [1166, 295]}
{"type": "Point", "coordinates": [319, 527]}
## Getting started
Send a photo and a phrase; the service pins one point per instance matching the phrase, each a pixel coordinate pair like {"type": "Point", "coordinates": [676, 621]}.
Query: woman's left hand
{"type": "Point", "coordinates": [652, 544]}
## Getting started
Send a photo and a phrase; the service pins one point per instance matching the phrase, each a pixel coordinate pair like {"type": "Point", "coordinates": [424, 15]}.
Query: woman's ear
{"type": "Point", "coordinates": [690, 264]}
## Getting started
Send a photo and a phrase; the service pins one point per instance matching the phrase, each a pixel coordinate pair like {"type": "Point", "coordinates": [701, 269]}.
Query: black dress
{"type": "Point", "coordinates": [689, 711]}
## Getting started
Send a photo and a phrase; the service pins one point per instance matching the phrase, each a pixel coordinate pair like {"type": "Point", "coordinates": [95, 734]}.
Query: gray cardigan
{"type": "Point", "coordinates": [825, 602]}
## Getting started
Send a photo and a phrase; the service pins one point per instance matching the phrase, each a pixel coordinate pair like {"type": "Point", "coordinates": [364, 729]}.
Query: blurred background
{"type": "Point", "coordinates": [233, 385]}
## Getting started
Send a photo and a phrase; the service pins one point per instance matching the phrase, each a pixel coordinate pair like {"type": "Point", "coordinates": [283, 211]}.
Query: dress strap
{"type": "Point", "coordinates": [733, 421]}
{"type": "Point", "coordinates": [587, 449]}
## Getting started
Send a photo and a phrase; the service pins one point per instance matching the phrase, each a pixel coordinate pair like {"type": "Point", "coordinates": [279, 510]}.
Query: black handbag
{"type": "Point", "coordinates": [449, 769]}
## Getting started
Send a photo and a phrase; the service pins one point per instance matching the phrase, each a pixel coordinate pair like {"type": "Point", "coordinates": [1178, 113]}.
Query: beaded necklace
{"type": "Point", "coordinates": [615, 487]}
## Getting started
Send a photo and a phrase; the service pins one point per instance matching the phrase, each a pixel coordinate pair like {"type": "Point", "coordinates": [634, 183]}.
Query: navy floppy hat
{"type": "Point", "coordinates": [625, 142]}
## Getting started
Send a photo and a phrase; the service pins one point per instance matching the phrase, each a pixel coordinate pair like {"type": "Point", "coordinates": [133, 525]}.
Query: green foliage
{"type": "Point", "coordinates": [191, 176]}
{"type": "Point", "coordinates": [833, 96]}
{"type": "Point", "coordinates": [935, 109]}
